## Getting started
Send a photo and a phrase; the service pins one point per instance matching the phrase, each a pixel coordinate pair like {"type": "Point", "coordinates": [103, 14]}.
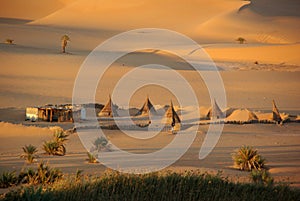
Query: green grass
{"type": "Point", "coordinates": [154, 186]}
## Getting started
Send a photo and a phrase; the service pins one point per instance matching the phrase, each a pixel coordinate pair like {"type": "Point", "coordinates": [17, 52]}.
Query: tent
{"type": "Point", "coordinates": [109, 109]}
{"type": "Point", "coordinates": [147, 108]}
{"type": "Point", "coordinates": [276, 115]}
{"type": "Point", "coordinates": [172, 118]}
{"type": "Point", "coordinates": [215, 112]}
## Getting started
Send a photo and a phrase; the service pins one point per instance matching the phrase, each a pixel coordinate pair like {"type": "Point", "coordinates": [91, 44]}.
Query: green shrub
{"type": "Point", "coordinates": [8, 179]}
{"type": "Point", "coordinates": [56, 146]}
{"type": "Point", "coordinates": [29, 153]}
{"type": "Point", "coordinates": [92, 158]}
{"type": "Point", "coordinates": [42, 175]}
{"type": "Point", "coordinates": [262, 177]}
{"type": "Point", "coordinates": [101, 143]}
{"type": "Point", "coordinates": [246, 158]}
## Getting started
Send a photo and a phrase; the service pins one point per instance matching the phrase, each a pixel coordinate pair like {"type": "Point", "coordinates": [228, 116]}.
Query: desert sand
{"type": "Point", "coordinates": [34, 72]}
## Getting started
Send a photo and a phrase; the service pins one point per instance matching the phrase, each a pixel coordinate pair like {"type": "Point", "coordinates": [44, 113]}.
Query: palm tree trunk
{"type": "Point", "coordinates": [64, 44]}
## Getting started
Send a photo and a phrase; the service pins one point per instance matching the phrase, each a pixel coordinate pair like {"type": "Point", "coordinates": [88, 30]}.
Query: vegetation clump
{"type": "Point", "coordinates": [56, 146]}
{"type": "Point", "coordinates": [64, 41]}
{"type": "Point", "coordinates": [29, 153]}
{"type": "Point", "coordinates": [8, 179]}
{"type": "Point", "coordinates": [44, 174]}
{"type": "Point", "coordinates": [262, 177]}
{"type": "Point", "coordinates": [92, 158]}
{"type": "Point", "coordinates": [101, 144]}
{"type": "Point", "coordinates": [247, 158]}
{"type": "Point", "coordinates": [241, 40]}
{"type": "Point", "coordinates": [9, 41]}
{"type": "Point", "coordinates": [153, 186]}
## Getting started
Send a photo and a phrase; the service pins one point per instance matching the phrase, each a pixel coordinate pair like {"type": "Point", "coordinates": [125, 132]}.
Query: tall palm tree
{"type": "Point", "coordinates": [64, 42]}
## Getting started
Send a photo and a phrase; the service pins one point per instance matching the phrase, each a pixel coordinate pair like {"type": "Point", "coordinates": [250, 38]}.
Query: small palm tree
{"type": "Point", "coordinates": [92, 158]}
{"type": "Point", "coordinates": [101, 143]}
{"type": "Point", "coordinates": [262, 177]}
{"type": "Point", "coordinates": [57, 145]}
{"type": "Point", "coordinates": [8, 179]}
{"type": "Point", "coordinates": [241, 40]}
{"type": "Point", "coordinates": [246, 158]}
{"type": "Point", "coordinates": [29, 153]}
{"type": "Point", "coordinates": [60, 137]}
{"type": "Point", "coordinates": [50, 147]}
{"type": "Point", "coordinates": [64, 42]}
{"type": "Point", "coordinates": [9, 41]}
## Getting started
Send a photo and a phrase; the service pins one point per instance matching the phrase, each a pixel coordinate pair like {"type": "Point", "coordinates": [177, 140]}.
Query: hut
{"type": "Point", "coordinates": [147, 108]}
{"type": "Point", "coordinates": [32, 113]}
{"type": "Point", "coordinates": [55, 114]}
{"type": "Point", "coordinates": [109, 109]}
{"type": "Point", "coordinates": [50, 113]}
{"type": "Point", "coordinates": [215, 112]}
{"type": "Point", "coordinates": [172, 119]}
{"type": "Point", "coordinates": [275, 113]}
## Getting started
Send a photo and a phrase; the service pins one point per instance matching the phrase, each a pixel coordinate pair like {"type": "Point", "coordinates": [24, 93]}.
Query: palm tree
{"type": "Point", "coordinates": [64, 42]}
{"type": "Point", "coordinates": [247, 158]}
{"type": "Point", "coordinates": [57, 145]}
{"type": "Point", "coordinates": [92, 158]}
{"type": "Point", "coordinates": [241, 40]}
{"type": "Point", "coordinates": [29, 153]}
{"type": "Point", "coordinates": [9, 41]}
{"type": "Point", "coordinates": [101, 143]}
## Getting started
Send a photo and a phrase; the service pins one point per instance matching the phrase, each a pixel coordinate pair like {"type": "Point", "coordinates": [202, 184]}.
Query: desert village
{"type": "Point", "coordinates": [214, 114]}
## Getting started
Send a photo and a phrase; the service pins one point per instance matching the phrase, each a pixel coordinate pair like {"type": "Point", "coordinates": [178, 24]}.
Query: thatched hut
{"type": "Point", "coordinates": [275, 113]}
{"type": "Point", "coordinates": [109, 109]}
{"type": "Point", "coordinates": [215, 112]}
{"type": "Point", "coordinates": [172, 118]}
{"type": "Point", "coordinates": [147, 108]}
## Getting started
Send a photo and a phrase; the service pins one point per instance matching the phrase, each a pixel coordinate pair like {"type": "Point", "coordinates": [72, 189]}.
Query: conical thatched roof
{"type": "Point", "coordinates": [109, 109]}
{"type": "Point", "coordinates": [172, 116]}
{"type": "Point", "coordinates": [215, 112]}
{"type": "Point", "coordinates": [276, 115]}
{"type": "Point", "coordinates": [146, 108]}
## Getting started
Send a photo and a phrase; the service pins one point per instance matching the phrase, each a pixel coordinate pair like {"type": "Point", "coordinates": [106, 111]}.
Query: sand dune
{"type": "Point", "coordinates": [15, 136]}
{"type": "Point", "coordinates": [120, 15]}
{"type": "Point", "coordinates": [281, 57]}
{"type": "Point", "coordinates": [261, 21]}
{"type": "Point", "coordinates": [274, 8]}
{"type": "Point", "coordinates": [30, 9]}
